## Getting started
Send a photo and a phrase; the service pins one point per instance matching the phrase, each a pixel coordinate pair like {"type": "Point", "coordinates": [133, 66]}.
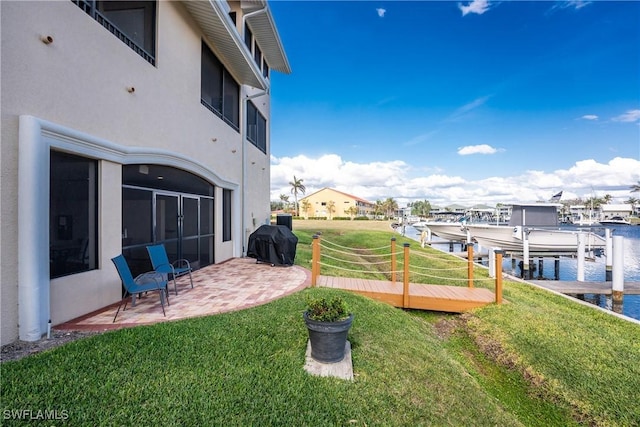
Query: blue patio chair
{"type": "Point", "coordinates": [161, 264]}
{"type": "Point", "coordinates": [145, 282]}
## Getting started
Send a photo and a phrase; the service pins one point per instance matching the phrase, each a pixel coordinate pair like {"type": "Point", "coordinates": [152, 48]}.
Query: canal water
{"type": "Point", "coordinates": [594, 270]}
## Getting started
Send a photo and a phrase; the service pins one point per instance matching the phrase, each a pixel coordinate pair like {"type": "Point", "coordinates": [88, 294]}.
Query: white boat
{"type": "Point", "coordinates": [454, 231]}
{"type": "Point", "coordinates": [614, 220]}
{"type": "Point", "coordinates": [537, 223]}
{"type": "Point", "coordinates": [420, 225]}
{"type": "Point", "coordinates": [539, 239]}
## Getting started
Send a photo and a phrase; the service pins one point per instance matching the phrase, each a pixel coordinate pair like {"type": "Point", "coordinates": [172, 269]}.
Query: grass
{"type": "Point", "coordinates": [539, 360]}
{"type": "Point", "coordinates": [246, 368]}
{"type": "Point", "coordinates": [571, 356]}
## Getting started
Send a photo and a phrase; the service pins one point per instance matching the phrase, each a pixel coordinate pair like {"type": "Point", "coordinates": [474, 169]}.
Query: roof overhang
{"type": "Point", "coordinates": [223, 38]}
{"type": "Point", "coordinates": [260, 21]}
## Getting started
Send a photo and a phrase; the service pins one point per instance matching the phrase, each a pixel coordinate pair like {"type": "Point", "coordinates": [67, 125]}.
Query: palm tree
{"type": "Point", "coordinates": [305, 207]}
{"type": "Point", "coordinates": [297, 187]}
{"type": "Point", "coordinates": [331, 207]}
{"type": "Point", "coordinates": [285, 200]}
{"type": "Point", "coordinates": [633, 202]}
{"type": "Point", "coordinates": [352, 211]}
{"type": "Point", "coordinates": [378, 208]}
{"type": "Point", "coordinates": [390, 206]}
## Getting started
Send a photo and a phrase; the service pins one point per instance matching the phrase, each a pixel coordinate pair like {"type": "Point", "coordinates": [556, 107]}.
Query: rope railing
{"type": "Point", "coordinates": [355, 271]}
{"type": "Point", "coordinates": [443, 256]}
{"type": "Point", "coordinates": [352, 248]}
{"type": "Point", "coordinates": [406, 271]}
{"type": "Point", "coordinates": [355, 262]}
{"type": "Point", "coordinates": [359, 255]}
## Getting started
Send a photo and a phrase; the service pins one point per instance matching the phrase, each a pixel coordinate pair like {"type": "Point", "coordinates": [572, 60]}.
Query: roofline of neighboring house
{"type": "Point", "coordinates": [359, 199]}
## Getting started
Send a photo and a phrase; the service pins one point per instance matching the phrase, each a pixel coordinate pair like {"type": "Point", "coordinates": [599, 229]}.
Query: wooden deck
{"type": "Point", "coordinates": [452, 299]}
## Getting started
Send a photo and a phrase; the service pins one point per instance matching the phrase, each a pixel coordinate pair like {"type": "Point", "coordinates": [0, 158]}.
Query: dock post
{"type": "Point", "coordinates": [608, 254]}
{"type": "Point", "coordinates": [556, 268]}
{"type": "Point", "coordinates": [525, 255]}
{"type": "Point", "coordinates": [470, 264]}
{"type": "Point", "coordinates": [393, 260]}
{"type": "Point", "coordinates": [498, 274]}
{"type": "Point", "coordinates": [492, 262]}
{"type": "Point", "coordinates": [617, 284]}
{"type": "Point", "coordinates": [315, 260]}
{"type": "Point", "coordinates": [540, 267]}
{"type": "Point", "coordinates": [580, 255]}
{"type": "Point", "coordinates": [405, 279]}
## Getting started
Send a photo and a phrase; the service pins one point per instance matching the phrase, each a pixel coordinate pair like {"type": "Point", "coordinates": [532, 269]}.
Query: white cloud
{"type": "Point", "coordinates": [571, 4]}
{"type": "Point", "coordinates": [399, 180]}
{"type": "Point", "coordinates": [476, 6]}
{"type": "Point", "coordinates": [381, 12]}
{"type": "Point", "coordinates": [589, 117]}
{"type": "Point", "coordinates": [576, 4]}
{"type": "Point", "coordinates": [476, 149]}
{"type": "Point", "coordinates": [629, 116]}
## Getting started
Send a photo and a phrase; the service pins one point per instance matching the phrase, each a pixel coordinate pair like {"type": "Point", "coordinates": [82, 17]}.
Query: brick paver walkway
{"type": "Point", "coordinates": [233, 285]}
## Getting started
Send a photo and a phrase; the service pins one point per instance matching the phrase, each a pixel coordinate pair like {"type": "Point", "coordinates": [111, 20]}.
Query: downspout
{"type": "Point", "coordinates": [245, 139]}
{"type": "Point", "coordinates": [249, 15]}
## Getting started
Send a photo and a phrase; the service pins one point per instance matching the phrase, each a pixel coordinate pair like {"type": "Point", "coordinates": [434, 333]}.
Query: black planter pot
{"type": "Point", "coordinates": [328, 339]}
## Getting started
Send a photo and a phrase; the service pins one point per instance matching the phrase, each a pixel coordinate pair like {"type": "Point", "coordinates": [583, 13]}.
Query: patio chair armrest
{"type": "Point", "coordinates": [165, 268]}
{"type": "Point", "coordinates": [150, 277]}
{"type": "Point", "coordinates": [180, 262]}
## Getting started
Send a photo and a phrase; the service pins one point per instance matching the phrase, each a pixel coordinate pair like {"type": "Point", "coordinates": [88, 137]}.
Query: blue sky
{"type": "Point", "coordinates": [458, 102]}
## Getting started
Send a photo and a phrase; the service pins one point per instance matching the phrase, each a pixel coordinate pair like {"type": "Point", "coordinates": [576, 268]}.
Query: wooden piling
{"type": "Point", "coordinates": [470, 264]}
{"type": "Point", "coordinates": [580, 257]}
{"type": "Point", "coordinates": [405, 279]}
{"type": "Point", "coordinates": [617, 283]}
{"type": "Point", "coordinates": [498, 273]}
{"type": "Point", "coordinates": [393, 260]}
{"type": "Point", "coordinates": [315, 259]}
{"type": "Point", "coordinates": [608, 275]}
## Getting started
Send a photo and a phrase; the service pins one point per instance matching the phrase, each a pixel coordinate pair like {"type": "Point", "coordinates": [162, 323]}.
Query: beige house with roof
{"type": "Point", "coordinates": [124, 124]}
{"type": "Point", "coordinates": [330, 203]}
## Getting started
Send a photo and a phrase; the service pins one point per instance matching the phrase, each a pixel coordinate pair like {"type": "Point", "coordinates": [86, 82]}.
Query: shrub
{"type": "Point", "coordinates": [327, 310]}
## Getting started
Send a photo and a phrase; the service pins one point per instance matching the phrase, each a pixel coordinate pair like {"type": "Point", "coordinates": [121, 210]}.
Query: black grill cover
{"type": "Point", "coordinates": [275, 244]}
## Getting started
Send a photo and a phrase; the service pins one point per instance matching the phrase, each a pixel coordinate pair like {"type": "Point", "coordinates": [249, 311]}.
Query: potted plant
{"type": "Point", "coordinates": [328, 322]}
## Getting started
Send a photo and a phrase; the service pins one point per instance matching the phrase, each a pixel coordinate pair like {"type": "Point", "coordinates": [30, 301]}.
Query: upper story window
{"type": "Point", "coordinates": [256, 127]}
{"type": "Point", "coordinates": [220, 93]}
{"type": "Point", "coordinates": [248, 38]}
{"type": "Point", "coordinates": [133, 22]}
{"type": "Point", "coordinates": [255, 51]}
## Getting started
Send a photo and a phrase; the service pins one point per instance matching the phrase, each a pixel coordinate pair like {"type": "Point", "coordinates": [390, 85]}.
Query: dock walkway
{"type": "Point", "coordinates": [575, 287]}
{"type": "Point", "coordinates": [451, 299]}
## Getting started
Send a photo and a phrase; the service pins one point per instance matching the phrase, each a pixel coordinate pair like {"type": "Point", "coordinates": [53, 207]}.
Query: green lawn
{"type": "Point", "coordinates": [539, 360]}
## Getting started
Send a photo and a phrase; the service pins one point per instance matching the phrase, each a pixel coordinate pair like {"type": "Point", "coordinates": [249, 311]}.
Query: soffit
{"type": "Point", "coordinates": [264, 30]}
{"type": "Point", "coordinates": [224, 39]}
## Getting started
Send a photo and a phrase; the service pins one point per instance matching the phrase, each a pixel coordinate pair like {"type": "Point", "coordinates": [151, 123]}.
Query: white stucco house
{"type": "Point", "coordinates": [127, 123]}
{"type": "Point", "coordinates": [610, 210]}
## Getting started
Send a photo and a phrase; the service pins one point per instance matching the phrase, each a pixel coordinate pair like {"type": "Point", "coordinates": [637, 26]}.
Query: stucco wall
{"type": "Point", "coordinates": [80, 82]}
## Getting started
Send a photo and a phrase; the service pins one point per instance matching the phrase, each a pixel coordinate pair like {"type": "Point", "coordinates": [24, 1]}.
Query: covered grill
{"type": "Point", "coordinates": [273, 244]}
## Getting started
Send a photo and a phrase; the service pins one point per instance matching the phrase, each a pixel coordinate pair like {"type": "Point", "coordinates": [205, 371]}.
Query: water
{"type": "Point", "coordinates": [594, 270]}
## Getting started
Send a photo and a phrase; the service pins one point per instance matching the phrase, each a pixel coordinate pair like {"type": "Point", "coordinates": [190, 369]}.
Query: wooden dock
{"type": "Point", "coordinates": [451, 299]}
{"type": "Point", "coordinates": [575, 287]}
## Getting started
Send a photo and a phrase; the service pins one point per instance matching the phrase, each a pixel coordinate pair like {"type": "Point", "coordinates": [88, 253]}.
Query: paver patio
{"type": "Point", "coordinates": [232, 285]}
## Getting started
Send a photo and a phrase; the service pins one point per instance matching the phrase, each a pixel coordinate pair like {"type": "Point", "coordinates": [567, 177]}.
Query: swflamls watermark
{"type": "Point", "coordinates": [39, 414]}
